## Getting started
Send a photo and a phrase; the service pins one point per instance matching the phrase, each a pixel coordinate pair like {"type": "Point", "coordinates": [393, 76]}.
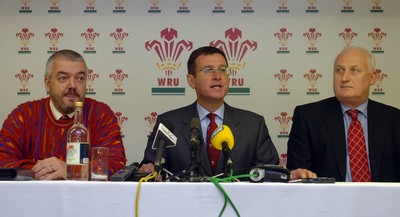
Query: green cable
{"type": "Point", "coordinates": [215, 181]}
{"type": "Point", "coordinates": [230, 178]}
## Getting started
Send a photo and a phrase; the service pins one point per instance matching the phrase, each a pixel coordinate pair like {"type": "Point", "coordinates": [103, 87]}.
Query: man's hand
{"type": "Point", "coordinates": [149, 168]}
{"type": "Point", "coordinates": [302, 174]}
{"type": "Point", "coordinates": [50, 169]}
{"type": "Point", "coordinates": [146, 168]}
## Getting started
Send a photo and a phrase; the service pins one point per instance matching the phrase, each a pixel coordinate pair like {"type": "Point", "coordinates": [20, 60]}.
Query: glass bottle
{"type": "Point", "coordinates": [78, 147]}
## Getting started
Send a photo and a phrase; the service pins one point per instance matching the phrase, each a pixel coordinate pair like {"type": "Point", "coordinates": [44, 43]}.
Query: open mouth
{"type": "Point", "coordinates": [217, 86]}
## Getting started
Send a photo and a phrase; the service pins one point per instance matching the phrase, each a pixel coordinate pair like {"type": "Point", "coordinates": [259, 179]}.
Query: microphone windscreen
{"type": "Point", "coordinates": [195, 123]}
{"type": "Point", "coordinates": [222, 134]}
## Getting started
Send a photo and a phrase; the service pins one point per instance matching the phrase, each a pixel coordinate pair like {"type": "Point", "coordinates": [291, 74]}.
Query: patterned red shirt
{"type": "Point", "coordinates": [31, 133]}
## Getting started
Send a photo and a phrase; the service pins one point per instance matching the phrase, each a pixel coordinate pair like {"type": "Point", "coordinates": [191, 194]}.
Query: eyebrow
{"type": "Point", "coordinates": [219, 66]}
{"type": "Point", "coordinates": [66, 73]}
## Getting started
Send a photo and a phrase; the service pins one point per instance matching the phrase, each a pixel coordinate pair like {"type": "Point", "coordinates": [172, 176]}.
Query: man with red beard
{"type": "Point", "coordinates": [34, 135]}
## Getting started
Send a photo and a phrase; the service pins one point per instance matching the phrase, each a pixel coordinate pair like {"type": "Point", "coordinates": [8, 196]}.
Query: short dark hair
{"type": "Point", "coordinates": [206, 50]}
{"type": "Point", "coordinates": [65, 54]}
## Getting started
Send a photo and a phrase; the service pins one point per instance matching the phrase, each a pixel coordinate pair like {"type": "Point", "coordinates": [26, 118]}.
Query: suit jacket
{"type": "Point", "coordinates": [252, 145]}
{"type": "Point", "coordinates": [317, 140]}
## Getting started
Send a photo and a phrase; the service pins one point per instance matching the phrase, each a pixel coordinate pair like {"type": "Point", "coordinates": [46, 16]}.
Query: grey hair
{"type": "Point", "coordinates": [368, 55]}
{"type": "Point", "coordinates": [65, 54]}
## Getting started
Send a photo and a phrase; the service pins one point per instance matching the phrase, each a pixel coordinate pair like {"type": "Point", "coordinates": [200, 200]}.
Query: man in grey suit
{"type": "Point", "coordinates": [318, 144]}
{"type": "Point", "coordinates": [208, 75]}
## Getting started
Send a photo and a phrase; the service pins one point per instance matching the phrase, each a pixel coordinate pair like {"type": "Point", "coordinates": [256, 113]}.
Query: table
{"type": "Point", "coordinates": [109, 199]}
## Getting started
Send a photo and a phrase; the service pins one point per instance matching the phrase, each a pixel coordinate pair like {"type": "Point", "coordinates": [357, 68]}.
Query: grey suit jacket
{"type": "Point", "coordinates": [317, 140]}
{"type": "Point", "coordinates": [253, 144]}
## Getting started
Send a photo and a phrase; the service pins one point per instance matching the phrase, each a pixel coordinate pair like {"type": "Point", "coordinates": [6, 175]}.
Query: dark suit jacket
{"type": "Point", "coordinates": [317, 140]}
{"type": "Point", "coordinates": [252, 145]}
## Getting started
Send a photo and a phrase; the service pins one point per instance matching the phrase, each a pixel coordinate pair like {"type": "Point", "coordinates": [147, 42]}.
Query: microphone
{"type": "Point", "coordinates": [222, 139]}
{"type": "Point", "coordinates": [195, 131]}
{"type": "Point", "coordinates": [195, 148]}
{"type": "Point", "coordinates": [164, 138]}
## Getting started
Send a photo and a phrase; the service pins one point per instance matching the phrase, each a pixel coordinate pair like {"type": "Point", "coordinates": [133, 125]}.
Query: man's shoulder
{"type": "Point", "coordinates": [180, 111]}
{"type": "Point", "coordinates": [321, 104]}
{"type": "Point", "coordinates": [382, 106]}
{"type": "Point", "coordinates": [92, 102]}
{"type": "Point", "coordinates": [241, 112]}
{"type": "Point", "coordinates": [33, 103]}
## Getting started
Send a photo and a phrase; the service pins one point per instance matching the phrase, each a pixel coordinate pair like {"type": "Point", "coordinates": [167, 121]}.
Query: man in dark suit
{"type": "Point", "coordinates": [318, 144]}
{"type": "Point", "coordinates": [208, 75]}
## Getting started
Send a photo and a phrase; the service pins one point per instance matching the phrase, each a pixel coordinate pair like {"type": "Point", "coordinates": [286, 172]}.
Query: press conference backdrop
{"type": "Point", "coordinates": [280, 53]}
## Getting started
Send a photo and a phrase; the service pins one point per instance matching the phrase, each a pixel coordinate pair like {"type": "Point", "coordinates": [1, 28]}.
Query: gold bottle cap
{"type": "Point", "coordinates": [78, 104]}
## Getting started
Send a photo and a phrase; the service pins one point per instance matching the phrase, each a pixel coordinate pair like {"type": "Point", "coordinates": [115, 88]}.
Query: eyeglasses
{"type": "Point", "coordinates": [209, 70]}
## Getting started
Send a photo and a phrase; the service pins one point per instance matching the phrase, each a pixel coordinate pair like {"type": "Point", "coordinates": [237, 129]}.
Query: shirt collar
{"type": "Point", "coordinates": [203, 112]}
{"type": "Point", "coordinates": [57, 115]}
{"type": "Point", "coordinates": [361, 108]}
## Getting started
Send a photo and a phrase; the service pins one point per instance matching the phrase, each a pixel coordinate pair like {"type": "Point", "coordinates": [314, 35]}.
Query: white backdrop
{"type": "Point", "coordinates": [283, 52]}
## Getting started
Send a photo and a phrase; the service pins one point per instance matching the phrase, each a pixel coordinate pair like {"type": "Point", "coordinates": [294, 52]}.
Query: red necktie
{"type": "Point", "coordinates": [357, 150]}
{"type": "Point", "coordinates": [213, 153]}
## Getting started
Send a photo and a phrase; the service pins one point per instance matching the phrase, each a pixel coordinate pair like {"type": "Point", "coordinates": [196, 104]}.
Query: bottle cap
{"type": "Point", "coordinates": [78, 104]}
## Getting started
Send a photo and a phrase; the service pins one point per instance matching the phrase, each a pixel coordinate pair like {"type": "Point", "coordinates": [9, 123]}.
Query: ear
{"type": "Point", "coordinates": [47, 84]}
{"type": "Point", "coordinates": [374, 76]}
{"type": "Point", "coordinates": [191, 81]}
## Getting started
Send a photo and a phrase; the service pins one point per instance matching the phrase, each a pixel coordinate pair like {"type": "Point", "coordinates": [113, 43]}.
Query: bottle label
{"type": "Point", "coordinates": [77, 153]}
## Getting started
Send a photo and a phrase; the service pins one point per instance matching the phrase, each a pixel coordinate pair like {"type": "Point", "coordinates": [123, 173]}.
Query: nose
{"type": "Point", "coordinates": [346, 76]}
{"type": "Point", "coordinates": [71, 83]}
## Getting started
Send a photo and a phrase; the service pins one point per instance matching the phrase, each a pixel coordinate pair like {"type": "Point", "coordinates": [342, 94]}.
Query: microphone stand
{"type": "Point", "coordinates": [194, 175]}
{"type": "Point", "coordinates": [228, 165]}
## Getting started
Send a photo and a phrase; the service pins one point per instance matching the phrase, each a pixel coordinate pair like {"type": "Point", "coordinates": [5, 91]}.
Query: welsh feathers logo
{"type": "Point", "coordinates": [90, 7]}
{"type": "Point", "coordinates": [283, 78]}
{"type": "Point", "coordinates": [154, 8]}
{"type": "Point", "coordinates": [151, 120]}
{"type": "Point", "coordinates": [235, 49]}
{"type": "Point", "coordinates": [54, 6]}
{"type": "Point", "coordinates": [348, 36]}
{"type": "Point", "coordinates": [377, 36]}
{"type": "Point", "coordinates": [312, 35]}
{"type": "Point", "coordinates": [378, 90]}
{"type": "Point", "coordinates": [168, 50]}
{"type": "Point", "coordinates": [91, 77]}
{"type": "Point", "coordinates": [312, 76]}
{"type": "Point", "coordinates": [376, 6]}
{"type": "Point", "coordinates": [183, 6]}
{"type": "Point", "coordinates": [53, 37]}
{"type": "Point", "coordinates": [119, 7]}
{"type": "Point", "coordinates": [347, 8]}
{"type": "Point", "coordinates": [25, 8]}
{"type": "Point", "coordinates": [90, 36]}
{"type": "Point", "coordinates": [283, 8]}
{"type": "Point", "coordinates": [283, 36]}
{"type": "Point", "coordinates": [25, 36]}
{"type": "Point", "coordinates": [119, 35]}
{"type": "Point", "coordinates": [283, 160]}
{"type": "Point", "coordinates": [247, 8]}
{"type": "Point", "coordinates": [23, 77]}
{"type": "Point", "coordinates": [118, 77]}
{"type": "Point", "coordinates": [284, 123]}
{"type": "Point", "coordinates": [218, 7]}
{"type": "Point", "coordinates": [121, 119]}
{"type": "Point", "coordinates": [312, 8]}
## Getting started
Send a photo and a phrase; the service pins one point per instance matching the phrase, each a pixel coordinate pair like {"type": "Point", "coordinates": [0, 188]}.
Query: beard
{"type": "Point", "coordinates": [65, 106]}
